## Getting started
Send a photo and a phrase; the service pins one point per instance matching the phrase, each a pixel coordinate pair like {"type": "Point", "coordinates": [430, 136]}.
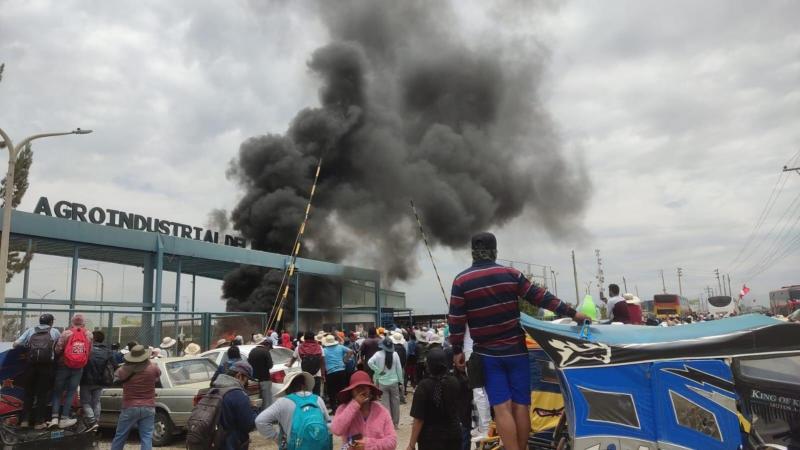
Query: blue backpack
{"type": "Point", "coordinates": [309, 430]}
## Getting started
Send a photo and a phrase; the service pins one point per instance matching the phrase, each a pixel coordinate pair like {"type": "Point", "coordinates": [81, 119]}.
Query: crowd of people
{"type": "Point", "coordinates": [459, 374]}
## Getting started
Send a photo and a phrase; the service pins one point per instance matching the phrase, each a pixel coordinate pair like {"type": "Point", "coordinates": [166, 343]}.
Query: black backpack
{"type": "Point", "coordinates": [203, 429]}
{"type": "Point", "coordinates": [40, 347]}
{"type": "Point", "coordinates": [311, 363]}
{"type": "Point", "coordinates": [100, 369]}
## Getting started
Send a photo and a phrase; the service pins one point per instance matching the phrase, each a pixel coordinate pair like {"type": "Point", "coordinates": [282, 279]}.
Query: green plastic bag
{"type": "Point", "coordinates": [588, 307]}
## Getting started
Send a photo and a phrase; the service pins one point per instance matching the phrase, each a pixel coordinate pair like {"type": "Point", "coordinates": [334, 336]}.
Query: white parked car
{"type": "Point", "coordinates": [280, 359]}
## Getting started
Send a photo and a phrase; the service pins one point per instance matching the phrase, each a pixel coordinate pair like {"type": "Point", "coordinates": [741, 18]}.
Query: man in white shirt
{"type": "Point", "coordinates": [613, 291]}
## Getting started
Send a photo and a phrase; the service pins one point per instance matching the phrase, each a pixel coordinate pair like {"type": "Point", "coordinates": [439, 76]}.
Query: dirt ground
{"type": "Point", "coordinates": [259, 442]}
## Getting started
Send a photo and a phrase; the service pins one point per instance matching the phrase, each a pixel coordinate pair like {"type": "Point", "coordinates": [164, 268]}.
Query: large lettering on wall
{"type": "Point", "coordinates": [121, 219]}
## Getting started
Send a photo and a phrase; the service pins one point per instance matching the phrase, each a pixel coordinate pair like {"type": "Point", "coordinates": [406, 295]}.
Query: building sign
{"type": "Point", "coordinates": [121, 219]}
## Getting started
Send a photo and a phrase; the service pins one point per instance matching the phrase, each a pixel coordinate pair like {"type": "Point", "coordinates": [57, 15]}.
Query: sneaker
{"type": "Point", "coordinates": [53, 422]}
{"type": "Point", "coordinates": [66, 423]}
{"type": "Point", "coordinates": [24, 424]}
{"type": "Point", "coordinates": [92, 425]}
{"type": "Point", "coordinates": [41, 426]}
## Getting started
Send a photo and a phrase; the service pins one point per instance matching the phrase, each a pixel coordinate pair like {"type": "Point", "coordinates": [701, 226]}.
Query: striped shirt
{"type": "Point", "coordinates": [485, 297]}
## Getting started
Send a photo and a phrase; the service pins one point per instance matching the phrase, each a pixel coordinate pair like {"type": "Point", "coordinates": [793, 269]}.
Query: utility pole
{"type": "Point", "coordinates": [625, 284]}
{"type": "Point", "coordinates": [600, 278]}
{"type": "Point", "coordinates": [663, 283]}
{"type": "Point", "coordinates": [636, 288]}
{"type": "Point", "coordinates": [555, 280]}
{"type": "Point", "coordinates": [710, 291]}
{"type": "Point", "coordinates": [730, 292]}
{"type": "Point", "coordinates": [719, 284]}
{"type": "Point", "coordinates": [791, 169]}
{"type": "Point", "coordinates": [680, 286]}
{"type": "Point", "coordinates": [575, 273]}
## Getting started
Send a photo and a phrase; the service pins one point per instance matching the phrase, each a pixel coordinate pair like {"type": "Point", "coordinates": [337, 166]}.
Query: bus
{"type": "Point", "coordinates": [671, 305]}
{"type": "Point", "coordinates": [721, 305]}
{"type": "Point", "coordinates": [784, 300]}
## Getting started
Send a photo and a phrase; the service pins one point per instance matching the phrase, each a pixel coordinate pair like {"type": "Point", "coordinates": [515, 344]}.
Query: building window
{"type": "Point", "coordinates": [611, 407]}
{"type": "Point", "coordinates": [693, 416]}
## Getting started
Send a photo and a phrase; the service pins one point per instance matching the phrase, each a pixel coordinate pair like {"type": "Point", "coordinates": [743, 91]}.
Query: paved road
{"type": "Point", "coordinates": [259, 442]}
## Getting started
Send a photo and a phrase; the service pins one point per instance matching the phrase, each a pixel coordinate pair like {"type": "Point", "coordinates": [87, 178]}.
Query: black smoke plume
{"type": "Point", "coordinates": [408, 110]}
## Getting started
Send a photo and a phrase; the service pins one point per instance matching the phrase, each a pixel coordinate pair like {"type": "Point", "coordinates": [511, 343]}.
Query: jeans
{"type": "Point", "coordinates": [144, 418]}
{"type": "Point", "coordinates": [483, 408]}
{"type": "Point", "coordinates": [265, 388]}
{"type": "Point", "coordinates": [90, 401]}
{"type": "Point", "coordinates": [38, 382]}
{"type": "Point", "coordinates": [391, 401]}
{"type": "Point", "coordinates": [67, 380]}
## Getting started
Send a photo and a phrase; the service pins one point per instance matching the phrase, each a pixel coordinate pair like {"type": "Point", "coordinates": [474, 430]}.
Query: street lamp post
{"type": "Point", "coordinates": [8, 200]}
{"type": "Point", "coordinates": [102, 290]}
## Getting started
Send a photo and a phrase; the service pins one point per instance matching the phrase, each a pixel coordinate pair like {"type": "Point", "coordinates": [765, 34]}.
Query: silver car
{"type": "Point", "coordinates": [280, 359]}
{"type": "Point", "coordinates": [181, 379]}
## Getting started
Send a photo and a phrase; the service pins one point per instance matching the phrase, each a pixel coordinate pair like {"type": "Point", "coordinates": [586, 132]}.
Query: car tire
{"type": "Point", "coordinates": [163, 429]}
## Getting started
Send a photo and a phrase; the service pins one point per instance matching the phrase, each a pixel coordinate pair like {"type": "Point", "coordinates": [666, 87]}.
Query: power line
{"type": "Point", "coordinates": [771, 201]}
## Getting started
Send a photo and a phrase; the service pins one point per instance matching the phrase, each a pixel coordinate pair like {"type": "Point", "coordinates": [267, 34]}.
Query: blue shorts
{"type": "Point", "coordinates": [507, 378]}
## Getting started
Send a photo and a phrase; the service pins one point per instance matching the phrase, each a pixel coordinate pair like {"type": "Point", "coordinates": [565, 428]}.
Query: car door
{"type": "Point", "coordinates": [695, 405]}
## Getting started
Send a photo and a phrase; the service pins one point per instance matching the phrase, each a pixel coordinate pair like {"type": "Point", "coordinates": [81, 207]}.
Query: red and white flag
{"type": "Point", "coordinates": [744, 291]}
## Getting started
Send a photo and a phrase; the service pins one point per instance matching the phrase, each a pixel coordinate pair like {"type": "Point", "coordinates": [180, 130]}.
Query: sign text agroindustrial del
{"type": "Point", "coordinates": [115, 218]}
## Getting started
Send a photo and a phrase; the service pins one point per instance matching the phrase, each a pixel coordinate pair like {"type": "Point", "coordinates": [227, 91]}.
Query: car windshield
{"type": "Point", "coordinates": [190, 371]}
{"type": "Point", "coordinates": [280, 355]}
{"type": "Point", "coordinates": [782, 370]}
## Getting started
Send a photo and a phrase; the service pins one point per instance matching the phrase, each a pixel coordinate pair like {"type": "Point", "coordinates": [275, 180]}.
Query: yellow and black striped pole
{"type": "Point", "coordinates": [428, 247]}
{"type": "Point", "coordinates": [276, 314]}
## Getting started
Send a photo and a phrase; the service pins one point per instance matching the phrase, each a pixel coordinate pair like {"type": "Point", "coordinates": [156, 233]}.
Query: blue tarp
{"type": "Point", "coordinates": [641, 334]}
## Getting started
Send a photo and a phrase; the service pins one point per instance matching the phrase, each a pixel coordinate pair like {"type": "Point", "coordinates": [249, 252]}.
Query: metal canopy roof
{"type": "Point", "coordinates": [55, 236]}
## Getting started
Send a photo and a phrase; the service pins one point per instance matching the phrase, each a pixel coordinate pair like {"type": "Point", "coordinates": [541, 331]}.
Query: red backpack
{"type": "Point", "coordinates": [76, 352]}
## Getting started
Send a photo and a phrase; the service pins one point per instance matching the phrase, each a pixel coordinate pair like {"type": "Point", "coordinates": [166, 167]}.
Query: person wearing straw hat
{"type": "Point", "coordinates": [296, 390]}
{"type": "Point", "coordinates": [336, 358]}
{"type": "Point", "coordinates": [360, 421]}
{"type": "Point", "coordinates": [138, 377]}
{"type": "Point", "coordinates": [400, 348]}
{"type": "Point", "coordinates": [166, 346]}
{"type": "Point", "coordinates": [388, 375]}
{"type": "Point", "coordinates": [192, 349]}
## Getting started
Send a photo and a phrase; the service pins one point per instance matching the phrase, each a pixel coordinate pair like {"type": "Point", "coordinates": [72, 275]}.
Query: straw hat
{"type": "Point", "coordinates": [258, 337]}
{"type": "Point", "coordinates": [329, 340]}
{"type": "Point", "coordinates": [138, 354]}
{"type": "Point", "coordinates": [192, 349]}
{"type": "Point", "coordinates": [359, 378]}
{"type": "Point", "coordinates": [632, 299]}
{"type": "Point", "coordinates": [167, 342]}
{"type": "Point", "coordinates": [398, 338]}
{"type": "Point", "coordinates": [319, 336]}
{"type": "Point", "coordinates": [221, 342]}
{"type": "Point", "coordinates": [155, 353]}
{"type": "Point", "coordinates": [436, 339]}
{"type": "Point", "coordinates": [291, 376]}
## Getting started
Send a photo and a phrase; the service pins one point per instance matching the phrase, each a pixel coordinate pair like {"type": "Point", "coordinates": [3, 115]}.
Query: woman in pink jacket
{"type": "Point", "coordinates": [360, 421]}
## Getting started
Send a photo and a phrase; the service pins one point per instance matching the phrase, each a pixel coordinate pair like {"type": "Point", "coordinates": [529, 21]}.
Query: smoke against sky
{"type": "Point", "coordinates": [407, 110]}
{"type": "Point", "coordinates": [685, 112]}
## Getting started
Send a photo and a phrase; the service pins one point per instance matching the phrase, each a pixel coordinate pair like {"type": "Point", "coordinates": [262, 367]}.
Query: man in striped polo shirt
{"type": "Point", "coordinates": [485, 297]}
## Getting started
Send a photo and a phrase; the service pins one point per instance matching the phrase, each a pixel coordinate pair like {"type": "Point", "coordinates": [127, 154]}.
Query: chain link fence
{"type": "Point", "coordinates": [144, 327]}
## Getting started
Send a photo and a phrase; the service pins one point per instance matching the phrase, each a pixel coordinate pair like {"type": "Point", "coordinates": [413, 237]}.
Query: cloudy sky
{"type": "Point", "coordinates": [682, 115]}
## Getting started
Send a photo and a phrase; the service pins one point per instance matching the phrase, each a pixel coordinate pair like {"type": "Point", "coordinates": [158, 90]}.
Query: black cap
{"type": "Point", "coordinates": [46, 319]}
{"type": "Point", "coordinates": [484, 241]}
